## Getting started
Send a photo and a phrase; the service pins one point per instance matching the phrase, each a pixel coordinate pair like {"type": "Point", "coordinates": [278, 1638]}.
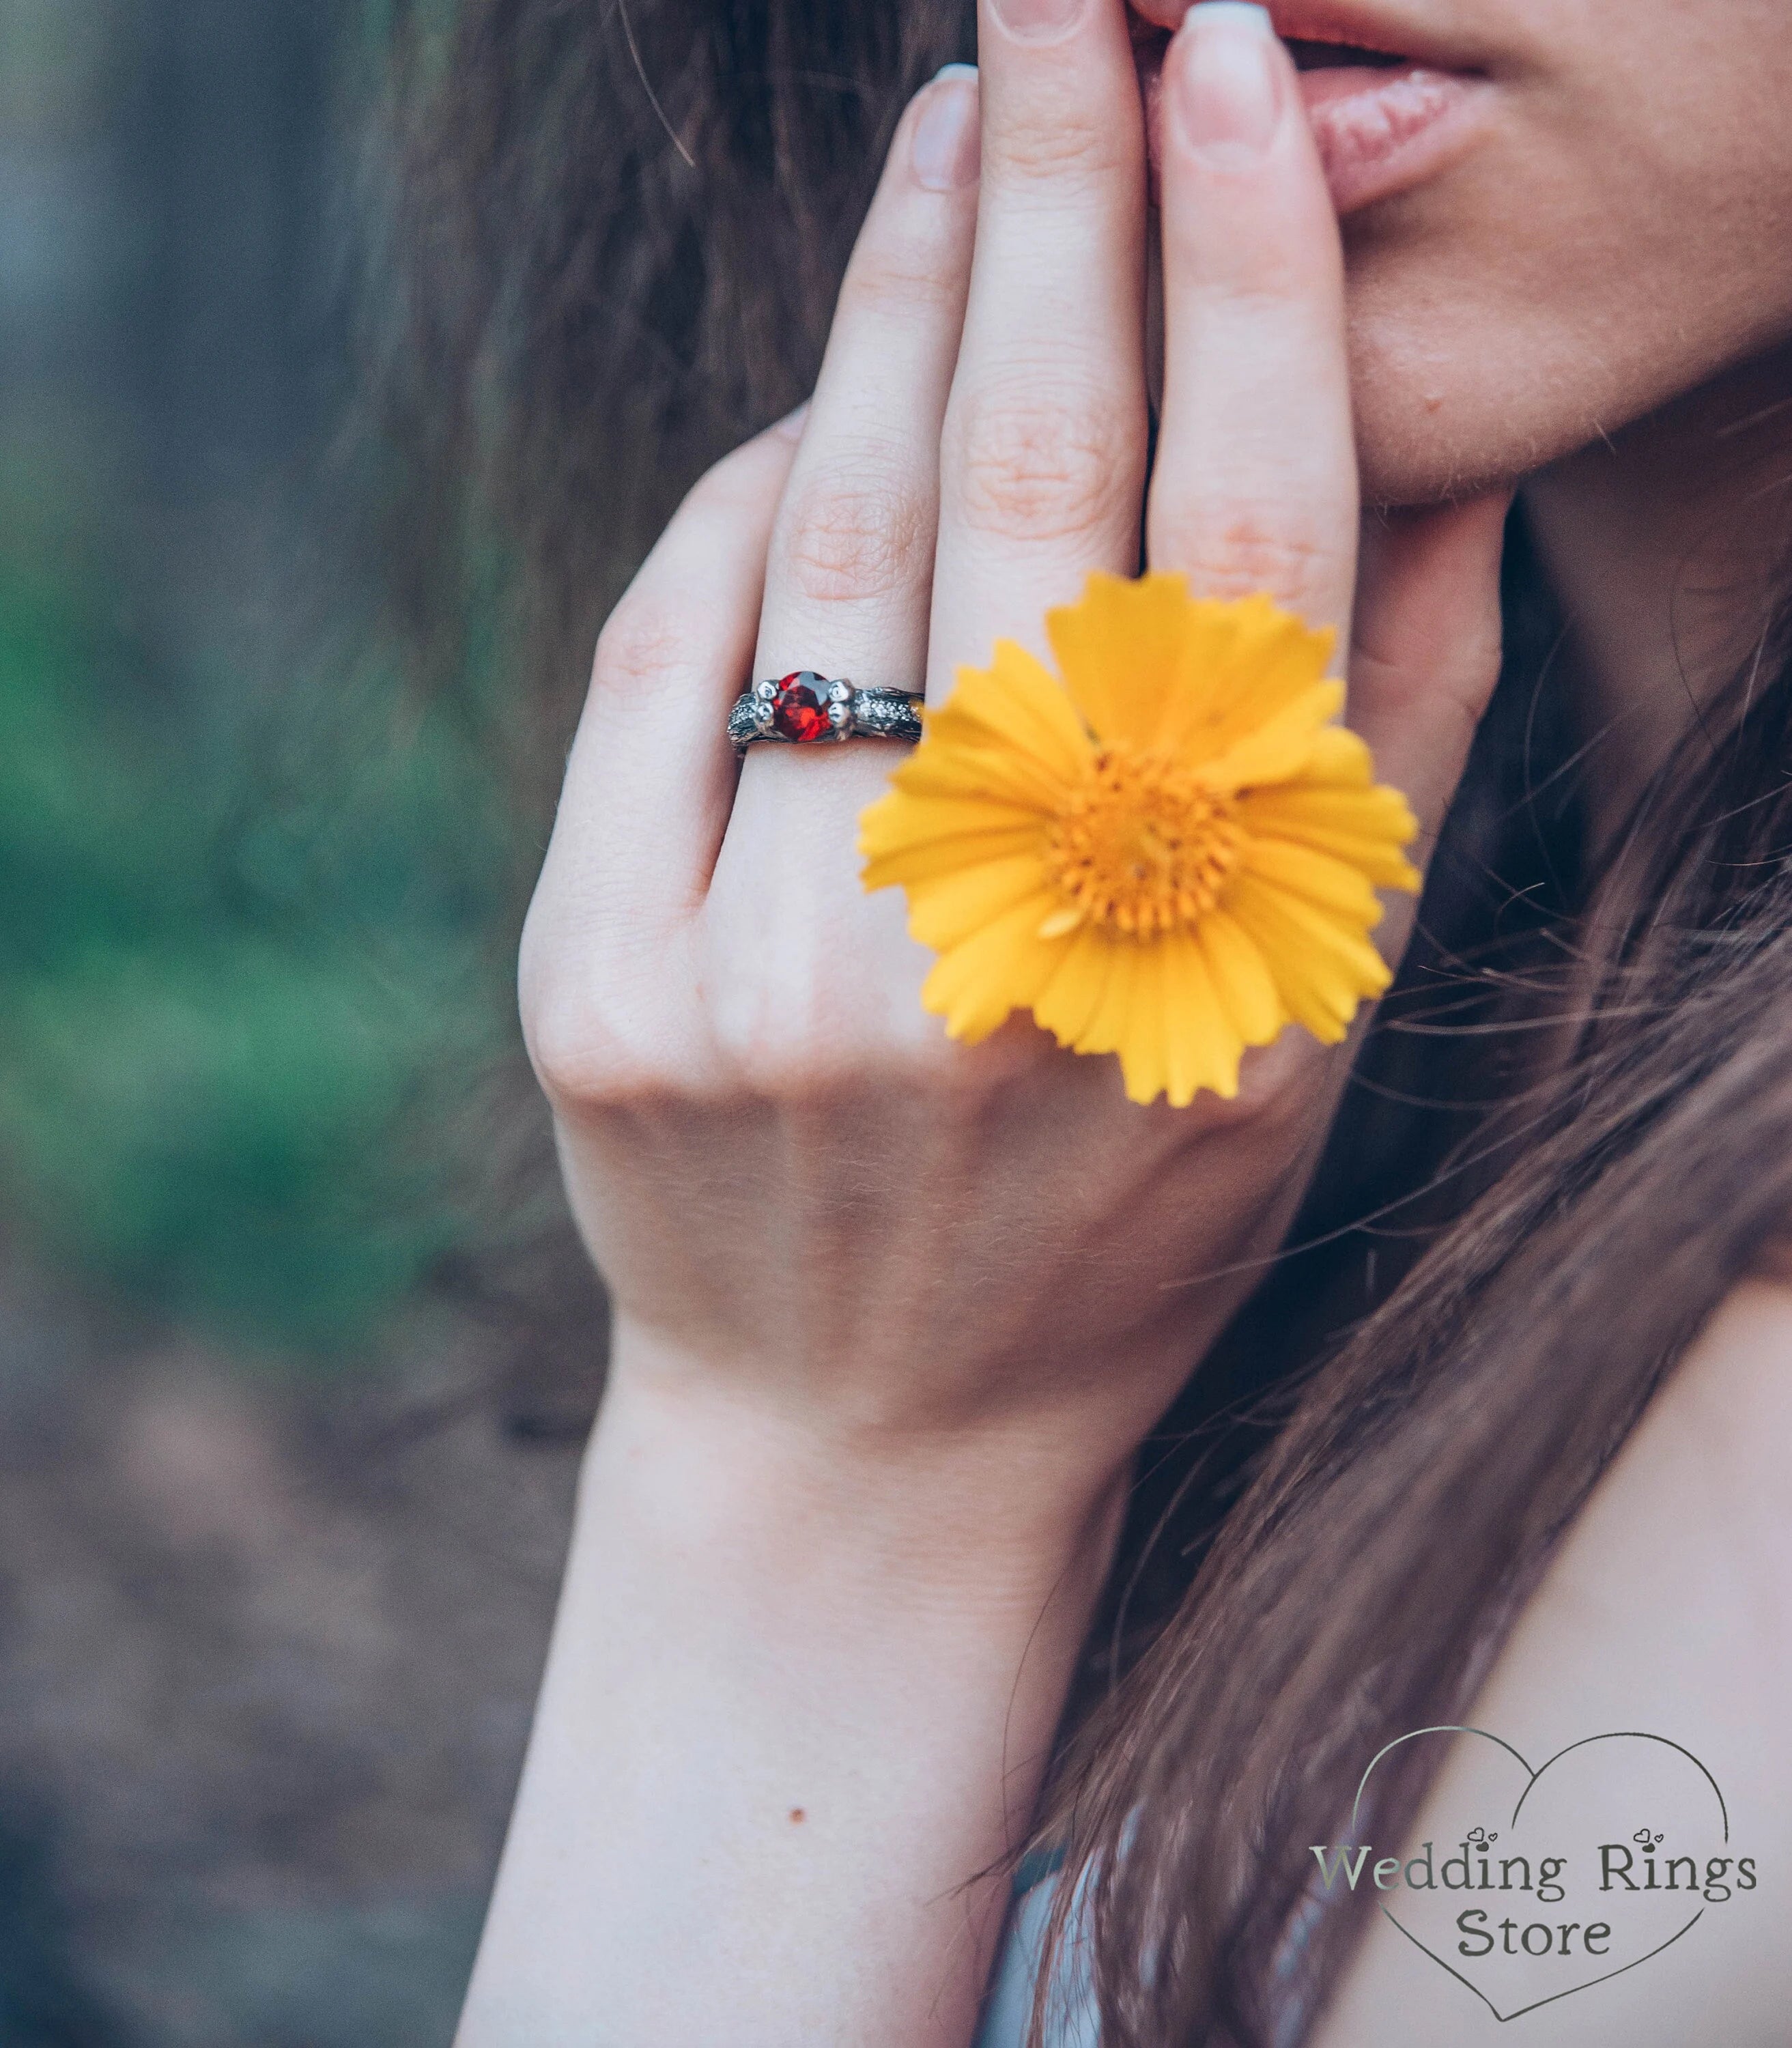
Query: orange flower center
{"type": "Point", "coordinates": [1139, 845]}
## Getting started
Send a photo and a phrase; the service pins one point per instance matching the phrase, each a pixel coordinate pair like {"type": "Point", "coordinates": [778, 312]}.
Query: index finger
{"type": "Point", "coordinates": [1255, 487]}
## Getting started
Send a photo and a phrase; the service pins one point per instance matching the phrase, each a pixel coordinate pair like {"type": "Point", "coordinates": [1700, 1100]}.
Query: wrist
{"type": "Point", "coordinates": [988, 1513]}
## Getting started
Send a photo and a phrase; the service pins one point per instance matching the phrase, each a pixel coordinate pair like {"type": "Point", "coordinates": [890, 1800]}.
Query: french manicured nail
{"type": "Point", "coordinates": [948, 142]}
{"type": "Point", "coordinates": [1037, 21]}
{"type": "Point", "coordinates": [1230, 82]}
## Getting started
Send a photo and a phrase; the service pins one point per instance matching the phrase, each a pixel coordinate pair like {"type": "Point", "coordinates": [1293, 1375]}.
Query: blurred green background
{"type": "Point", "coordinates": [295, 1347]}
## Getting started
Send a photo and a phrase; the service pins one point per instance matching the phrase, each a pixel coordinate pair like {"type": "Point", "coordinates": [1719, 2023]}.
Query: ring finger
{"type": "Point", "coordinates": [851, 563]}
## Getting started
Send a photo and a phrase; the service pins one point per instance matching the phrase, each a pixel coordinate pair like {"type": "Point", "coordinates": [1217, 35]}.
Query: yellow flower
{"type": "Point", "coordinates": [1169, 855]}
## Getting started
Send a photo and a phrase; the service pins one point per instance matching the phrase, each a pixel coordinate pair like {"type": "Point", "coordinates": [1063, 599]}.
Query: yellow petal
{"type": "Point", "coordinates": [1305, 817]}
{"type": "Point", "coordinates": [1063, 922]}
{"type": "Point", "coordinates": [1325, 933]}
{"type": "Point", "coordinates": [1000, 968]}
{"type": "Point", "coordinates": [1369, 812]}
{"type": "Point", "coordinates": [1015, 702]}
{"type": "Point", "coordinates": [1377, 861]}
{"type": "Point", "coordinates": [1242, 981]}
{"type": "Point", "coordinates": [1243, 660]}
{"type": "Point", "coordinates": [1317, 877]}
{"type": "Point", "coordinates": [1112, 1017]}
{"type": "Point", "coordinates": [1067, 1004]}
{"type": "Point", "coordinates": [897, 819]}
{"type": "Point", "coordinates": [1339, 755]}
{"type": "Point", "coordinates": [949, 907]}
{"type": "Point", "coordinates": [1143, 1047]}
{"type": "Point", "coordinates": [1203, 1049]}
{"type": "Point", "coordinates": [1118, 649]}
{"type": "Point", "coordinates": [1322, 970]}
{"type": "Point", "coordinates": [959, 769]}
{"type": "Point", "coordinates": [928, 858]}
{"type": "Point", "coordinates": [1281, 746]}
{"type": "Point", "coordinates": [904, 838]}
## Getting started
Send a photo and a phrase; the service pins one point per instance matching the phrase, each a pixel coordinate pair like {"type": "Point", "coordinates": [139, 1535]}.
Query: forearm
{"type": "Point", "coordinates": [799, 1697]}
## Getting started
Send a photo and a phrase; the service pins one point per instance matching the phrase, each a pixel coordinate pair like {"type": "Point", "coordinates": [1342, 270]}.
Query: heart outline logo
{"type": "Point", "coordinates": [1531, 1778]}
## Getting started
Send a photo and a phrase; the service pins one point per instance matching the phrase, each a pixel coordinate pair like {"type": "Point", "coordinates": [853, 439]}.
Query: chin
{"type": "Point", "coordinates": [1472, 367]}
{"type": "Point", "coordinates": [1433, 423]}
{"type": "Point", "coordinates": [1464, 379]}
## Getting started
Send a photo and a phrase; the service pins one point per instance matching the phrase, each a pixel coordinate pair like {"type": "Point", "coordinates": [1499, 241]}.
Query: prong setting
{"type": "Point", "coordinates": [805, 708]}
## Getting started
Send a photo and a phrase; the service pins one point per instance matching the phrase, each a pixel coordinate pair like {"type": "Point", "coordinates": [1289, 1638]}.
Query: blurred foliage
{"type": "Point", "coordinates": [253, 959]}
{"type": "Point", "coordinates": [256, 898]}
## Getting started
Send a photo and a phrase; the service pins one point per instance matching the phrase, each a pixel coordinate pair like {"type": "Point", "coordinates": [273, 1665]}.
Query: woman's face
{"type": "Point", "coordinates": [1558, 213]}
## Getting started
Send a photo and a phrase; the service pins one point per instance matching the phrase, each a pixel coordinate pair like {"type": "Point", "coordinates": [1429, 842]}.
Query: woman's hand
{"type": "Point", "coordinates": [800, 1194]}
{"type": "Point", "coordinates": [892, 1315]}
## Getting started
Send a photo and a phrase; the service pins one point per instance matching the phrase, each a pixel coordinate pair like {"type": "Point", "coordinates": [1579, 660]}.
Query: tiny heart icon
{"type": "Point", "coordinates": [1548, 1879]}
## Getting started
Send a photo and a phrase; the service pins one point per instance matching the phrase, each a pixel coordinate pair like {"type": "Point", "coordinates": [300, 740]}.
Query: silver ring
{"type": "Point", "coordinates": [808, 709]}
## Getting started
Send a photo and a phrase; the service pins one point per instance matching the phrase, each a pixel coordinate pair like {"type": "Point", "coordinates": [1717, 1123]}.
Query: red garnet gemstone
{"type": "Point", "coordinates": [799, 711]}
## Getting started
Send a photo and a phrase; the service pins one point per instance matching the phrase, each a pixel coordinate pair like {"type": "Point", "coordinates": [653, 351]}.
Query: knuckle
{"type": "Point", "coordinates": [591, 1055]}
{"type": "Point", "coordinates": [1033, 465]}
{"type": "Point", "coordinates": [791, 1031]}
{"type": "Point", "coordinates": [1060, 140]}
{"type": "Point", "coordinates": [898, 275]}
{"type": "Point", "coordinates": [643, 640]}
{"type": "Point", "coordinates": [1255, 288]}
{"type": "Point", "coordinates": [771, 1039]}
{"type": "Point", "coordinates": [802, 1069]}
{"type": "Point", "coordinates": [597, 1028]}
{"type": "Point", "coordinates": [853, 532]}
{"type": "Point", "coordinates": [571, 1052]}
{"type": "Point", "coordinates": [1248, 552]}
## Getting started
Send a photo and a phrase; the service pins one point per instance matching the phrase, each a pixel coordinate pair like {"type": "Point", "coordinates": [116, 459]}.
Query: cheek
{"type": "Point", "coordinates": [1587, 267]}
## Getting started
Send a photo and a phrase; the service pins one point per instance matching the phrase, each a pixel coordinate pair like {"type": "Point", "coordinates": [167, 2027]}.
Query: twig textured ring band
{"type": "Point", "coordinates": [806, 709]}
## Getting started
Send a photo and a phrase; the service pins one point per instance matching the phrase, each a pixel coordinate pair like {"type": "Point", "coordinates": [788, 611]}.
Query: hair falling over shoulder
{"type": "Point", "coordinates": [611, 239]}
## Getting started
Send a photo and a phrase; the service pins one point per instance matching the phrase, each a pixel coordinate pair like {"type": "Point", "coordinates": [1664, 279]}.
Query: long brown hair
{"type": "Point", "coordinates": [613, 238]}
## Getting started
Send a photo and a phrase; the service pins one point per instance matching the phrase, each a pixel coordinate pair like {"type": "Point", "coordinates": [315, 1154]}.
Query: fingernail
{"type": "Point", "coordinates": [1230, 82]}
{"type": "Point", "coordinates": [1037, 21]}
{"type": "Point", "coordinates": [948, 142]}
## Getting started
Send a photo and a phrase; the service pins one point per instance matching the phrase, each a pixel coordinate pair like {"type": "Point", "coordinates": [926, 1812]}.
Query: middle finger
{"type": "Point", "coordinates": [1043, 462]}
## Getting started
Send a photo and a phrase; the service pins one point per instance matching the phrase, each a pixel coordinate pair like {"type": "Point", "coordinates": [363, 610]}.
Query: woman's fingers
{"type": "Point", "coordinates": [1256, 484]}
{"type": "Point", "coordinates": [851, 562]}
{"type": "Point", "coordinates": [1425, 655]}
{"type": "Point", "coordinates": [650, 782]}
{"type": "Point", "coordinates": [786, 933]}
{"type": "Point", "coordinates": [1043, 464]}
{"type": "Point", "coordinates": [649, 779]}
{"type": "Point", "coordinates": [850, 567]}
{"type": "Point", "coordinates": [1255, 487]}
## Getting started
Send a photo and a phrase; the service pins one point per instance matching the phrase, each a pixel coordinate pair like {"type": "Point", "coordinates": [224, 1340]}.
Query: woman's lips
{"type": "Point", "coordinates": [1381, 127]}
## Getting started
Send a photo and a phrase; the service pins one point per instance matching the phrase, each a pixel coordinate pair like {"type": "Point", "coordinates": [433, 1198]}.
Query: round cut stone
{"type": "Point", "coordinates": [799, 707]}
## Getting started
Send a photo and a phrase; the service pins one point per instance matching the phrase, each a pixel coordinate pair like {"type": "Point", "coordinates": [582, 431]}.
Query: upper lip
{"type": "Point", "coordinates": [1384, 29]}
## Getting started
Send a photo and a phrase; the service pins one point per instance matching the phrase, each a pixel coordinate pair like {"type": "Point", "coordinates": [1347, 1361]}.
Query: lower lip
{"type": "Point", "coordinates": [1379, 131]}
